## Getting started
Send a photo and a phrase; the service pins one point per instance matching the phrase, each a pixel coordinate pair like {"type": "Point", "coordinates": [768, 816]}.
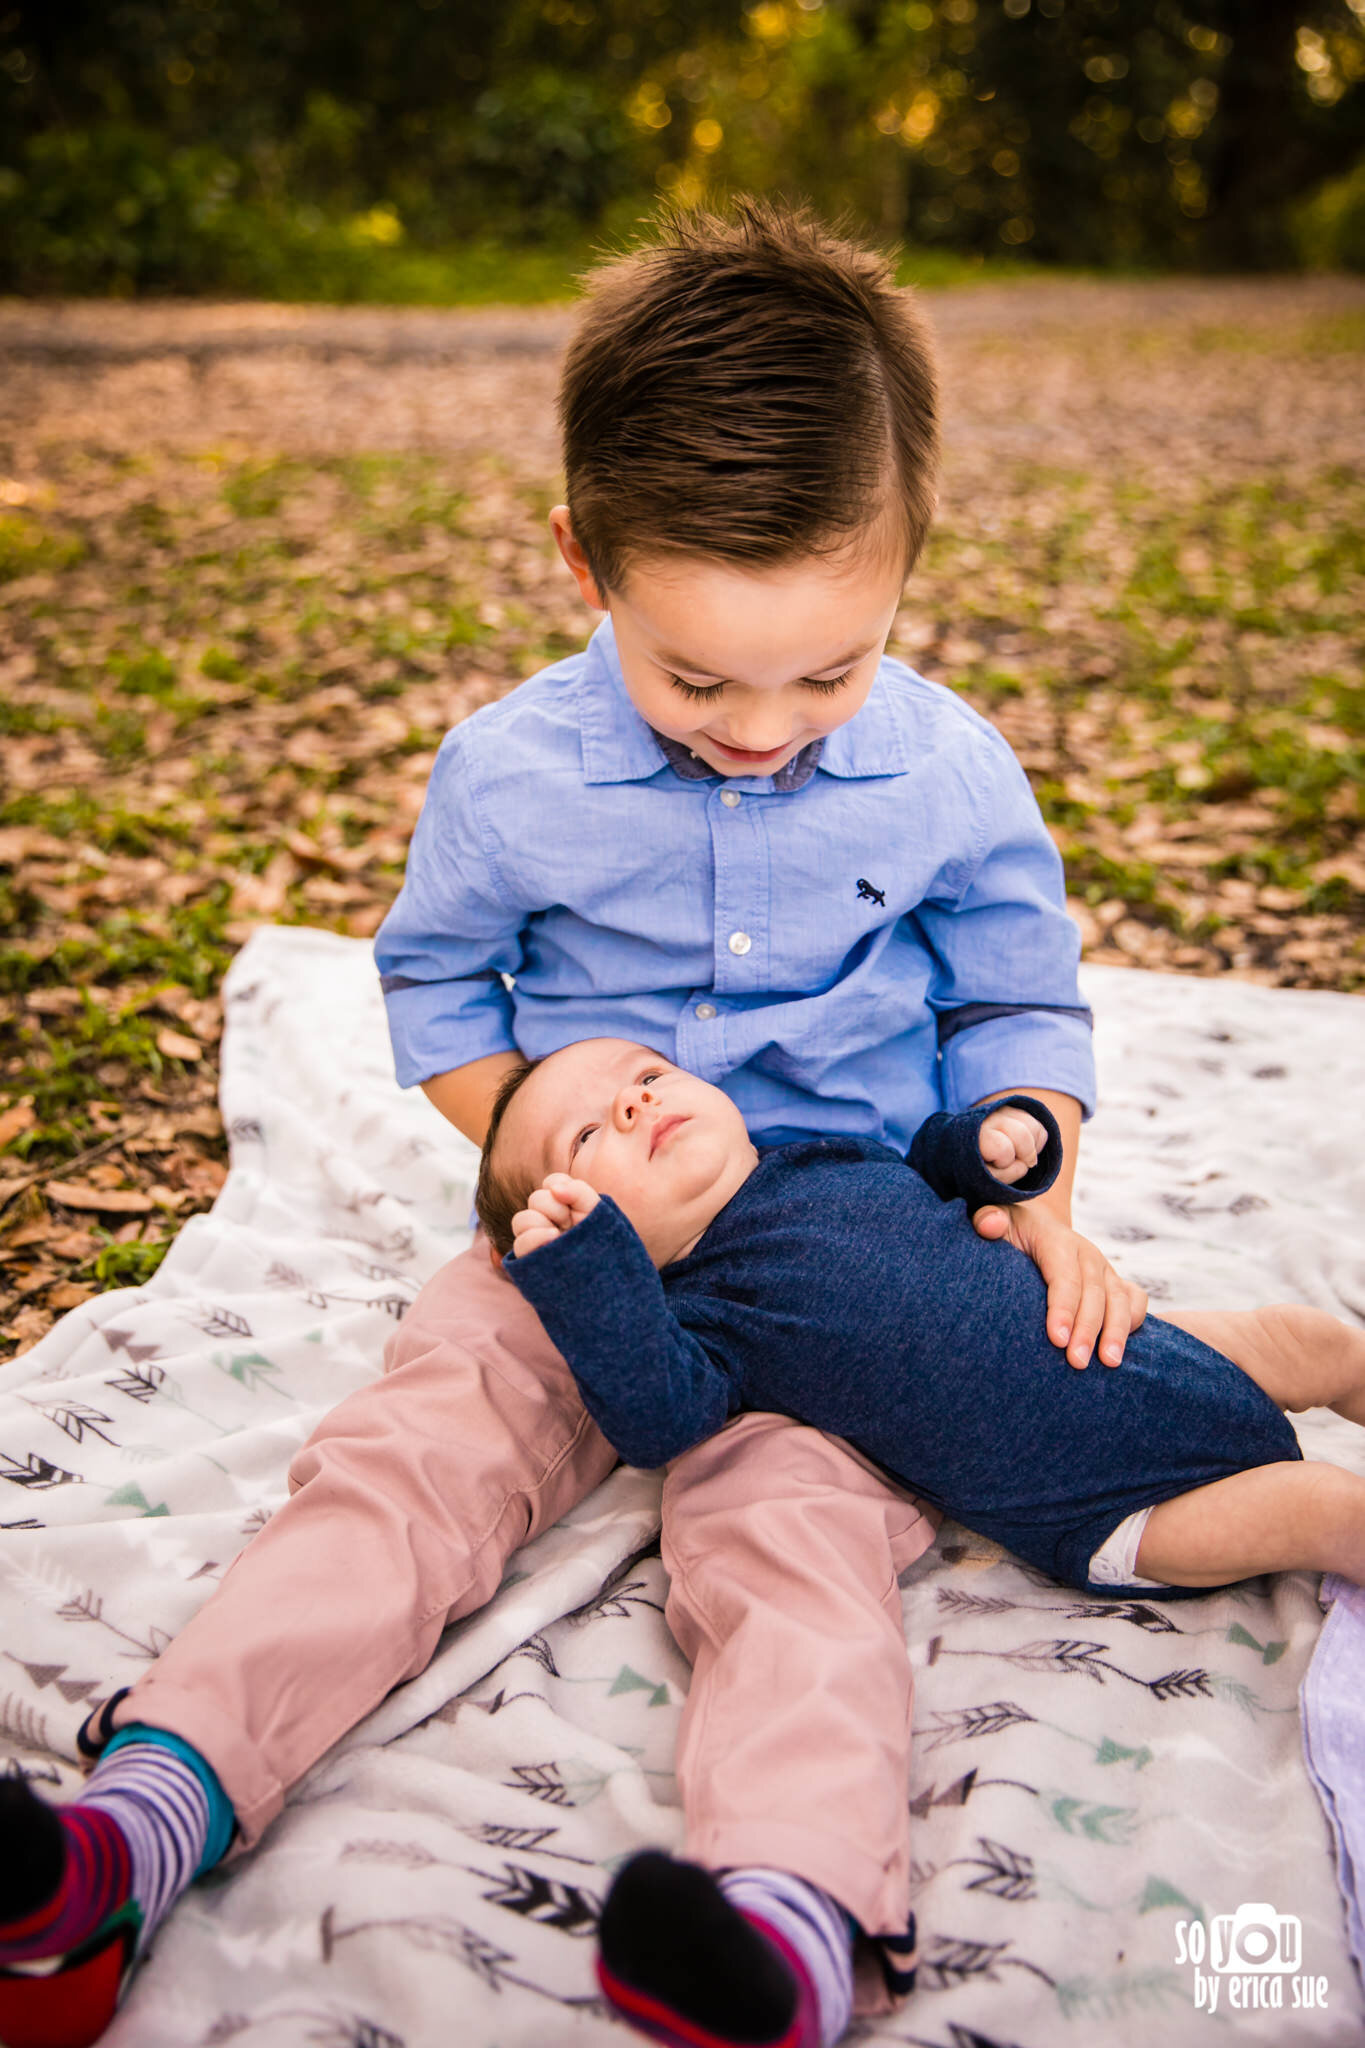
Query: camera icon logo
{"type": "Point", "coordinates": [1255, 1938]}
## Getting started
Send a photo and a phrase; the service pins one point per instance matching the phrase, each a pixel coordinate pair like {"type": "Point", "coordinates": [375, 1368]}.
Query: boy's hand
{"type": "Point", "coordinates": [1011, 1143]}
{"type": "Point", "coordinates": [559, 1203]}
{"type": "Point", "coordinates": [1086, 1298]}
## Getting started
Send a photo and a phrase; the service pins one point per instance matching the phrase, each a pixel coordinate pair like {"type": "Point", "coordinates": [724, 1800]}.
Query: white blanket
{"type": "Point", "coordinates": [1095, 1783]}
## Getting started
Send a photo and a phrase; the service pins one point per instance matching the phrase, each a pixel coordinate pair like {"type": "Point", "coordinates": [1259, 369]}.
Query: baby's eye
{"type": "Point", "coordinates": [586, 1132]}
{"type": "Point", "coordinates": [696, 693]}
{"type": "Point", "coordinates": [830, 685]}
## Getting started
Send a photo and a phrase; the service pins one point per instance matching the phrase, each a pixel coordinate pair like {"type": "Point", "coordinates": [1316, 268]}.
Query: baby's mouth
{"type": "Point", "coordinates": [664, 1128]}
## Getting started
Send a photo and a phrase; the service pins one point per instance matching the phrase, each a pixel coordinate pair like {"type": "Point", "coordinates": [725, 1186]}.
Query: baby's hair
{"type": "Point", "coordinates": [496, 1202]}
{"type": "Point", "coordinates": [747, 389]}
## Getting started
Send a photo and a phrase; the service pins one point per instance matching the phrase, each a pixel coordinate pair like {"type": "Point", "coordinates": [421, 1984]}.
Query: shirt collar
{"type": "Point", "coordinates": [874, 741]}
{"type": "Point", "coordinates": [619, 746]}
{"type": "Point", "coordinates": [792, 775]}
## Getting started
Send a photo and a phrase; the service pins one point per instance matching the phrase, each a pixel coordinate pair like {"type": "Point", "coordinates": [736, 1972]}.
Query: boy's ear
{"type": "Point", "coordinates": [579, 567]}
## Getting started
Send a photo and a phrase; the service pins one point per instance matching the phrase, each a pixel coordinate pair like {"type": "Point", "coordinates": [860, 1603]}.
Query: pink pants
{"type": "Point", "coordinates": [782, 1549]}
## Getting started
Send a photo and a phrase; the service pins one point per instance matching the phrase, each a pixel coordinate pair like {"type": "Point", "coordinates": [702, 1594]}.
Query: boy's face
{"type": "Point", "coordinates": [747, 666]}
{"type": "Point", "coordinates": [669, 1149]}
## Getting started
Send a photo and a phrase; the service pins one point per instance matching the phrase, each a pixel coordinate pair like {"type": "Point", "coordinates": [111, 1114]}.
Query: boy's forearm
{"type": "Point", "coordinates": [464, 1096]}
{"type": "Point", "coordinates": [1066, 1109]}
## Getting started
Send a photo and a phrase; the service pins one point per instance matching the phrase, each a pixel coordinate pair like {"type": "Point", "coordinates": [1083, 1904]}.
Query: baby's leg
{"type": "Point", "coordinates": [1303, 1357]}
{"type": "Point", "coordinates": [1273, 1518]}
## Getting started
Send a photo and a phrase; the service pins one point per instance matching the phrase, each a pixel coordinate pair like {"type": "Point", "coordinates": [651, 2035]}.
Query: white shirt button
{"type": "Point", "coordinates": [740, 942]}
{"type": "Point", "coordinates": [729, 797]}
{"type": "Point", "coordinates": [706, 1011]}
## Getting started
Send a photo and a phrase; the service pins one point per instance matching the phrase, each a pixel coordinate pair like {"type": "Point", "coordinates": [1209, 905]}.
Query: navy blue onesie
{"type": "Point", "coordinates": [849, 1290]}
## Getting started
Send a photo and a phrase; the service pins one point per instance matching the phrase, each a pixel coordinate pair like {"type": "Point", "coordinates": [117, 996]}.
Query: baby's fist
{"type": "Point", "coordinates": [559, 1203]}
{"type": "Point", "coordinates": [1011, 1144]}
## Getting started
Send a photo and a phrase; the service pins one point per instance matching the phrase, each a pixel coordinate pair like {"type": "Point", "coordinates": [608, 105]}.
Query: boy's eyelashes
{"type": "Point", "coordinates": [698, 693]}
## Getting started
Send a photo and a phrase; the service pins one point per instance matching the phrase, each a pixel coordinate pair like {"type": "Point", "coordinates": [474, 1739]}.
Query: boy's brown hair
{"type": "Point", "coordinates": [746, 389]}
{"type": "Point", "coordinates": [497, 1202]}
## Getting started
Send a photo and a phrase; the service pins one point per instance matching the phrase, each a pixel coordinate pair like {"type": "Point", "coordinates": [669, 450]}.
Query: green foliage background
{"type": "Point", "coordinates": [348, 148]}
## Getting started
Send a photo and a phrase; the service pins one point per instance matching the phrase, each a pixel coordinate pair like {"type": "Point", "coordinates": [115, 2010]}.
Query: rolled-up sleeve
{"type": "Point", "coordinates": [451, 935]}
{"type": "Point", "coordinates": [1004, 991]}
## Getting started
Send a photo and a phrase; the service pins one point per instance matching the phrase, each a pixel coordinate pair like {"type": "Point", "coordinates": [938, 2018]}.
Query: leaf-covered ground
{"type": "Point", "coordinates": [254, 561]}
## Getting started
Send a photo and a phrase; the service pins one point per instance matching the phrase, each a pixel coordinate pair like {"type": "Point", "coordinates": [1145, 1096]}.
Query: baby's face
{"type": "Point", "coordinates": [669, 1149]}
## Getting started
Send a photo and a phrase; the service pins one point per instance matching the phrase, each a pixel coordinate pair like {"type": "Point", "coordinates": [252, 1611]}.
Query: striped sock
{"type": "Point", "coordinates": [83, 1887]}
{"type": "Point", "coordinates": [812, 1926]}
{"type": "Point", "coordinates": [158, 1802]}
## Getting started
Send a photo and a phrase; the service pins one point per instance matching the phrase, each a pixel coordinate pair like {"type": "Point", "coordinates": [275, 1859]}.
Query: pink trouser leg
{"type": "Point", "coordinates": [782, 1548]}
{"type": "Point", "coordinates": [407, 1501]}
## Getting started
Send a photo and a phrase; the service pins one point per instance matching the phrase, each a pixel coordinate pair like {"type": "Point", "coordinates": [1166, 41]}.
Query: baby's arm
{"type": "Point", "coordinates": [652, 1389]}
{"type": "Point", "coordinates": [990, 1153]}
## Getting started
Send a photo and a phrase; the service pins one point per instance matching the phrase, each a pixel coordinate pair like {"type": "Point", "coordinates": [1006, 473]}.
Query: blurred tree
{"type": "Point", "coordinates": [188, 142]}
{"type": "Point", "coordinates": [1287, 119]}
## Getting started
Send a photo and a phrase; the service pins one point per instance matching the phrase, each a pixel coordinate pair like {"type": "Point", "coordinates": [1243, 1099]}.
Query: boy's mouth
{"type": "Point", "coordinates": [747, 755]}
{"type": "Point", "coordinates": [664, 1128]}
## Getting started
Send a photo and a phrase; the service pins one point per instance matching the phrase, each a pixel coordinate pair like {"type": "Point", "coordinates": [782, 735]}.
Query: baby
{"type": "Point", "coordinates": [686, 1275]}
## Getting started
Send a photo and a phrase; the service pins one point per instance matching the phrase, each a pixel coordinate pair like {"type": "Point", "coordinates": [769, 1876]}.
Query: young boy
{"type": "Point", "coordinates": [685, 1274]}
{"type": "Point", "coordinates": [732, 827]}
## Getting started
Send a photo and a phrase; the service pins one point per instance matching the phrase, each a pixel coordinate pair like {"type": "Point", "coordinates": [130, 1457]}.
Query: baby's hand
{"type": "Point", "coordinates": [1011, 1143]}
{"type": "Point", "coordinates": [555, 1206]}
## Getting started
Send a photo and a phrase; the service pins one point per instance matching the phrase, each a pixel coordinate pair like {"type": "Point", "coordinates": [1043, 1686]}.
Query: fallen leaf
{"type": "Point", "coordinates": [19, 1118]}
{"type": "Point", "coordinates": [28, 1326]}
{"type": "Point", "coordinates": [53, 1002]}
{"type": "Point", "coordinates": [111, 1201]}
{"type": "Point", "coordinates": [197, 1123]}
{"type": "Point", "coordinates": [69, 1294]}
{"type": "Point", "coordinates": [176, 1046]}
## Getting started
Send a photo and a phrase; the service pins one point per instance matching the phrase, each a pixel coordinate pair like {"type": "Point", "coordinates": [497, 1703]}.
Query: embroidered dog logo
{"type": "Point", "coordinates": [869, 893]}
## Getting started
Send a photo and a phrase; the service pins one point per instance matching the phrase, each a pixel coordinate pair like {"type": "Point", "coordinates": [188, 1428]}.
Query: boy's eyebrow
{"type": "Point", "coordinates": [680, 661]}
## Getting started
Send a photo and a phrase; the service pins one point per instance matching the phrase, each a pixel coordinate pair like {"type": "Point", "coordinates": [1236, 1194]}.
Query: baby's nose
{"type": "Point", "coordinates": [630, 1107]}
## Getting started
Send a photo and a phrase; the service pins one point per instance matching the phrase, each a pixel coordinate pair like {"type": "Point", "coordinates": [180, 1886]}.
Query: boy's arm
{"type": "Point", "coordinates": [464, 1096]}
{"type": "Point", "coordinates": [449, 940]}
{"type": "Point", "coordinates": [652, 1389]}
{"type": "Point", "coordinates": [1011, 1018]}
{"type": "Point", "coordinates": [1086, 1298]}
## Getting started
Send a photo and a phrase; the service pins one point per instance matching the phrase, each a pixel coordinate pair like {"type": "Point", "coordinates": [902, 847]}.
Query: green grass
{"type": "Point", "coordinates": [28, 548]}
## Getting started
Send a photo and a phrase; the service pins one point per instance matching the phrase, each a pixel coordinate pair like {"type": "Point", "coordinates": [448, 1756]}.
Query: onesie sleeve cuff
{"type": "Point", "coordinates": [947, 1154]}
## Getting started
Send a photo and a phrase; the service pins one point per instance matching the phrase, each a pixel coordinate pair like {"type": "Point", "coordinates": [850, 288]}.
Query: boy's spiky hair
{"type": "Point", "coordinates": [746, 388]}
{"type": "Point", "coordinates": [496, 1201]}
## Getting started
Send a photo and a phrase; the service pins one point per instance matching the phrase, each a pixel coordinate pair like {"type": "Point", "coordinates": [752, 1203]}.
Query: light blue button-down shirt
{"type": "Point", "coordinates": [886, 940]}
